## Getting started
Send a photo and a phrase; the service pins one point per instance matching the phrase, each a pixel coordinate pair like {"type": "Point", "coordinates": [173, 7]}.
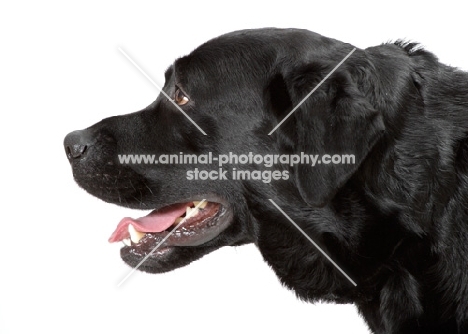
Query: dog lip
{"type": "Point", "coordinates": [160, 219]}
{"type": "Point", "coordinates": [195, 231]}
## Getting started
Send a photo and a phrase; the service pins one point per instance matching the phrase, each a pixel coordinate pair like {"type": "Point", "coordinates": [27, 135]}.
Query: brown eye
{"type": "Point", "coordinates": [179, 97]}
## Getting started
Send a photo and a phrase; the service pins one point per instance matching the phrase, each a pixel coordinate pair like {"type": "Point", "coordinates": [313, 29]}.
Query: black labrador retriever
{"type": "Point", "coordinates": [394, 218]}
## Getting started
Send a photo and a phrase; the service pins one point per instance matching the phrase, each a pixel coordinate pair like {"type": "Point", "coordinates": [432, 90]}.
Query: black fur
{"type": "Point", "coordinates": [396, 221]}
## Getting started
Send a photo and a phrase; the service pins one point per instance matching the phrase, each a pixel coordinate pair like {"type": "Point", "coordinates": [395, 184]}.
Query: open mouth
{"type": "Point", "coordinates": [180, 224]}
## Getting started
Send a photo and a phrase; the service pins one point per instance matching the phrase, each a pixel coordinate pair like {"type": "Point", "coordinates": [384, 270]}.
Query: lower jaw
{"type": "Point", "coordinates": [165, 259]}
{"type": "Point", "coordinates": [160, 244]}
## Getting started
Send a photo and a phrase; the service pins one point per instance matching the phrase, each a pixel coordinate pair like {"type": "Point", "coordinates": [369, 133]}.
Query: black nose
{"type": "Point", "coordinates": [76, 144]}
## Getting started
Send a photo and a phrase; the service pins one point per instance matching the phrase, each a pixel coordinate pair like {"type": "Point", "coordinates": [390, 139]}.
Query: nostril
{"type": "Point", "coordinates": [75, 151]}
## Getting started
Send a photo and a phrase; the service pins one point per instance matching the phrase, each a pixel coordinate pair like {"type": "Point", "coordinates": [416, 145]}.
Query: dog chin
{"type": "Point", "coordinates": [165, 259]}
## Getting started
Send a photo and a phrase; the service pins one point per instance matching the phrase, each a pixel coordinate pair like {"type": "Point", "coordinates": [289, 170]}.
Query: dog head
{"type": "Point", "coordinates": [235, 89]}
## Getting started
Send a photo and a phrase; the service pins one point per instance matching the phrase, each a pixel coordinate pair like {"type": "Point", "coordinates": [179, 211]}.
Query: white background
{"type": "Point", "coordinates": [60, 70]}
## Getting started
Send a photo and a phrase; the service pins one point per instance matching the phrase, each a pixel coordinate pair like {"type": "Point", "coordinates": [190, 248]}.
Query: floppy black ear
{"type": "Point", "coordinates": [337, 122]}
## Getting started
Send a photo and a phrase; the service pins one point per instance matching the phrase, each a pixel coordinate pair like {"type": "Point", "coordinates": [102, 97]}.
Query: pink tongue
{"type": "Point", "coordinates": [156, 221]}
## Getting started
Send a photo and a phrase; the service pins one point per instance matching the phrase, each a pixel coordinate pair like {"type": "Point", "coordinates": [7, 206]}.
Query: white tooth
{"type": "Point", "coordinates": [191, 212]}
{"type": "Point", "coordinates": [202, 206]}
{"type": "Point", "coordinates": [178, 220]}
{"type": "Point", "coordinates": [135, 235]}
{"type": "Point", "coordinates": [127, 242]}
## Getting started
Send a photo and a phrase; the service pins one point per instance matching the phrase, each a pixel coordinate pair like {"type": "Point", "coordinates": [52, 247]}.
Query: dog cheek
{"type": "Point", "coordinates": [400, 301]}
